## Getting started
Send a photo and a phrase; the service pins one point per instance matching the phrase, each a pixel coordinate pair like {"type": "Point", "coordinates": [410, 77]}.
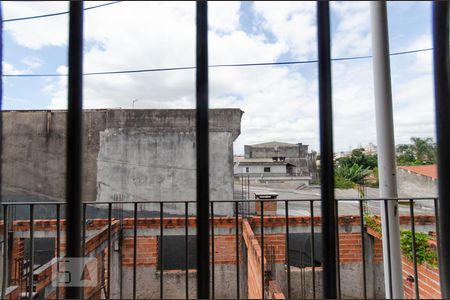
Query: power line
{"type": "Point", "coordinates": [216, 66]}
{"type": "Point", "coordinates": [58, 13]}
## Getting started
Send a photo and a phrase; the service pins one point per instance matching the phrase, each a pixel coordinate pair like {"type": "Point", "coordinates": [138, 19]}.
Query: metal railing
{"type": "Point", "coordinates": [331, 272]}
{"type": "Point", "coordinates": [285, 209]}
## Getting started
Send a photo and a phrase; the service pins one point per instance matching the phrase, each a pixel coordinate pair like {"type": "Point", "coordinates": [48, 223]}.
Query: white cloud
{"type": "Point", "coordinates": [223, 15]}
{"type": "Point", "coordinates": [352, 30]}
{"type": "Point", "coordinates": [37, 33]}
{"type": "Point", "coordinates": [11, 70]}
{"type": "Point", "coordinates": [292, 23]}
{"type": "Point", "coordinates": [280, 103]}
{"type": "Point", "coordinates": [32, 62]}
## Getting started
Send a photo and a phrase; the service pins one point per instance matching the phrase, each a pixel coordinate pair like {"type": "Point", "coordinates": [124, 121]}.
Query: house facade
{"type": "Point", "coordinates": [295, 154]}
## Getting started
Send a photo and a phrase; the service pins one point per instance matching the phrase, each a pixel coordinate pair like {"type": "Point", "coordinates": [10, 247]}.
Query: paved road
{"type": "Point", "coordinates": [302, 208]}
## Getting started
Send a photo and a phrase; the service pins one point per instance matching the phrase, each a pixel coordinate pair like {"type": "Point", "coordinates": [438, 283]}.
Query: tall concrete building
{"type": "Point", "coordinates": [131, 155]}
{"type": "Point", "coordinates": [295, 154]}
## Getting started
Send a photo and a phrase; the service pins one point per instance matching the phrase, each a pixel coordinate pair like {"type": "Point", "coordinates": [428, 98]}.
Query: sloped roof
{"type": "Point", "coordinates": [273, 144]}
{"type": "Point", "coordinates": [425, 170]}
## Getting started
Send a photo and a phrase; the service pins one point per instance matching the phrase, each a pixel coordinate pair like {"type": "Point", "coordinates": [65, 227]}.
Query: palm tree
{"type": "Point", "coordinates": [424, 149]}
{"type": "Point", "coordinates": [355, 173]}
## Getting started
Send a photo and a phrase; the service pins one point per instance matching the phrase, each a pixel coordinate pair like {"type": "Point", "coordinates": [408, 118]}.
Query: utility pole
{"type": "Point", "coordinates": [386, 152]}
{"type": "Point", "coordinates": [135, 100]}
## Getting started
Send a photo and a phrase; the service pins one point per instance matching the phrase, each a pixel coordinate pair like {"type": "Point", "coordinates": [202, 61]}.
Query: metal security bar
{"type": "Point", "coordinates": [326, 152]}
{"type": "Point", "coordinates": [74, 138]}
{"type": "Point", "coordinates": [442, 95]}
{"type": "Point", "coordinates": [76, 216]}
{"type": "Point", "coordinates": [287, 210]}
{"type": "Point", "coordinates": [202, 148]}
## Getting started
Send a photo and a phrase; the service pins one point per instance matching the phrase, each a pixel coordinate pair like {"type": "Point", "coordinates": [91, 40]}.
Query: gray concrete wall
{"type": "Point", "coordinates": [174, 283]}
{"type": "Point", "coordinates": [134, 154]}
{"type": "Point", "coordinates": [415, 185]}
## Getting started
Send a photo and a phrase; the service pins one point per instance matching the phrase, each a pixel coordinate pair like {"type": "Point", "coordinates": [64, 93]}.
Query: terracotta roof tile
{"type": "Point", "coordinates": [425, 170]}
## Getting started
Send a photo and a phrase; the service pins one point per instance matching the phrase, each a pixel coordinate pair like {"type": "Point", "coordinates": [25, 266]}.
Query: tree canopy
{"type": "Point", "coordinates": [358, 157]}
{"type": "Point", "coordinates": [421, 151]}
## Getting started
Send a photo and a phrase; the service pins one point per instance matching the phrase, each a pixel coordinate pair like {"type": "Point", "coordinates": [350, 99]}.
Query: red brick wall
{"type": "Point", "coordinates": [13, 292]}
{"type": "Point", "coordinates": [146, 254]}
{"type": "Point", "coordinates": [254, 259]}
{"type": "Point", "coordinates": [275, 291]}
{"type": "Point", "coordinates": [349, 246]}
{"type": "Point", "coordinates": [18, 248]}
{"type": "Point", "coordinates": [147, 250]}
{"type": "Point", "coordinates": [429, 287]}
{"type": "Point", "coordinates": [377, 251]}
{"type": "Point", "coordinates": [270, 207]}
{"type": "Point", "coordinates": [253, 262]}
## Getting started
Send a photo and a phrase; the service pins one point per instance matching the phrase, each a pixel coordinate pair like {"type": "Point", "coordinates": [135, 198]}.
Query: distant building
{"type": "Point", "coordinates": [417, 181]}
{"type": "Point", "coordinates": [303, 163]}
{"type": "Point", "coordinates": [370, 149]}
{"type": "Point", "coordinates": [341, 154]}
{"type": "Point", "coordinates": [263, 167]}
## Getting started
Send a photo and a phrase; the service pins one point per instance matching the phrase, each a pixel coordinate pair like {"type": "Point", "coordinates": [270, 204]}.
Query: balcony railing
{"type": "Point", "coordinates": [328, 205]}
{"type": "Point", "coordinates": [276, 230]}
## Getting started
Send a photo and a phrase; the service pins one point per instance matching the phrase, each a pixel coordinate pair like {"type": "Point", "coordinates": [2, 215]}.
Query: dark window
{"type": "Point", "coordinates": [266, 169]}
{"type": "Point", "coordinates": [44, 250]}
{"type": "Point", "coordinates": [300, 249]}
{"type": "Point", "coordinates": [174, 251]}
{"type": "Point", "coordinates": [246, 169]}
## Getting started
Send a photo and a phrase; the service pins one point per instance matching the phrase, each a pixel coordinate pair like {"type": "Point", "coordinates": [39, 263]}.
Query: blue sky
{"type": "Point", "coordinates": [279, 102]}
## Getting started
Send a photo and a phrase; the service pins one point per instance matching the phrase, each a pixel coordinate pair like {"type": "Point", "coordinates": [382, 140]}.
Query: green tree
{"type": "Point", "coordinates": [359, 158]}
{"type": "Point", "coordinates": [421, 151]}
{"type": "Point", "coordinates": [355, 173]}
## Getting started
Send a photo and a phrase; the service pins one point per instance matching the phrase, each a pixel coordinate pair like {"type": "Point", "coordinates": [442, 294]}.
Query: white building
{"type": "Point", "coordinates": [263, 167]}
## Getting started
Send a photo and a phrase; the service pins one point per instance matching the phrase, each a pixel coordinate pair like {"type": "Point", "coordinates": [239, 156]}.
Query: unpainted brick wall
{"type": "Point", "coordinates": [18, 251]}
{"type": "Point", "coordinates": [253, 262]}
{"type": "Point", "coordinates": [429, 287]}
{"type": "Point", "coordinates": [254, 268]}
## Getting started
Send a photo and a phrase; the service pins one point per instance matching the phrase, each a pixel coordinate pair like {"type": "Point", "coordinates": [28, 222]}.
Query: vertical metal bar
{"type": "Point", "coordinates": [31, 254]}
{"type": "Point", "coordinates": [74, 139]}
{"type": "Point", "coordinates": [109, 249]}
{"type": "Point", "coordinates": [413, 231]}
{"type": "Point", "coordinates": [262, 251]}
{"type": "Point", "coordinates": [441, 88]}
{"type": "Point", "coordinates": [83, 241]}
{"type": "Point", "coordinates": [242, 186]}
{"type": "Point", "coordinates": [5, 271]}
{"type": "Point", "coordinates": [313, 258]}
{"type": "Point", "coordinates": [238, 283]}
{"type": "Point", "coordinates": [5, 277]}
{"type": "Point", "coordinates": [248, 187]}
{"type": "Point", "coordinates": [186, 245]}
{"type": "Point", "coordinates": [388, 240]}
{"type": "Point", "coordinates": [338, 259]}
{"type": "Point", "coordinates": [58, 244]}
{"type": "Point", "coordinates": [326, 152]}
{"type": "Point", "coordinates": [212, 252]}
{"type": "Point", "coordinates": [288, 260]}
{"type": "Point", "coordinates": [202, 145]}
{"type": "Point", "coordinates": [135, 248]}
{"type": "Point", "coordinates": [363, 248]}
{"type": "Point", "coordinates": [161, 251]}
